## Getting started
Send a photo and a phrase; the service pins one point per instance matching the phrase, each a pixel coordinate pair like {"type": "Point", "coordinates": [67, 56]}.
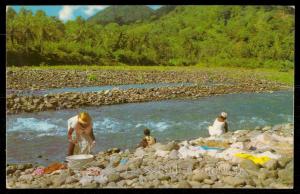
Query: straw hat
{"type": "Point", "coordinates": [224, 114]}
{"type": "Point", "coordinates": [84, 118]}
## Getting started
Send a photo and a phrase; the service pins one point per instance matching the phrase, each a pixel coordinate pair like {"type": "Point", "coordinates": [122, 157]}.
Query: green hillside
{"type": "Point", "coordinates": [239, 36]}
{"type": "Point", "coordinates": [122, 14]}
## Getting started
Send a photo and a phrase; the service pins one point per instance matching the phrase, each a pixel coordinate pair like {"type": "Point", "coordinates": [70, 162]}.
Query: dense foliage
{"type": "Point", "coordinates": [122, 14]}
{"type": "Point", "coordinates": [248, 36]}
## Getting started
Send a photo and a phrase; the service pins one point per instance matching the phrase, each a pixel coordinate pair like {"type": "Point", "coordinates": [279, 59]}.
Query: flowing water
{"type": "Point", "coordinates": [93, 88]}
{"type": "Point", "coordinates": [44, 133]}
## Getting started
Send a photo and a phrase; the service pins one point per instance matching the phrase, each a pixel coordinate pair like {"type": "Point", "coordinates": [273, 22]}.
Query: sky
{"type": "Point", "coordinates": [66, 13]}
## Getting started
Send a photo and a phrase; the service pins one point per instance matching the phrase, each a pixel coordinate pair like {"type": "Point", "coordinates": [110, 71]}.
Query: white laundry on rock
{"type": "Point", "coordinates": [189, 151]}
{"type": "Point", "coordinates": [228, 154]}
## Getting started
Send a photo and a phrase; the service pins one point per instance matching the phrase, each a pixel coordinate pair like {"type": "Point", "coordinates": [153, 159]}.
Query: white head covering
{"type": "Point", "coordinates": [224, 114]}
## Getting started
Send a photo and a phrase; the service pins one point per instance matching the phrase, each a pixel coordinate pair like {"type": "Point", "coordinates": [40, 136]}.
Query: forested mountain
{"type": "Point", "coordinates": [164, 10]}
{"type": "Point", "coordinates": [248, 36]}
{"type": "Point", "coordinates": [122, 14]}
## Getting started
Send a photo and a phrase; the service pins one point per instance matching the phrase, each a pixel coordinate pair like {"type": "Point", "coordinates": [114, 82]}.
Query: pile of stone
{"type": "Point", "coordinates": [166, 165]}
{"type": "Point", "coordinates": [22, 79]}
{"type": "Point", "coordinates": [17, 104]}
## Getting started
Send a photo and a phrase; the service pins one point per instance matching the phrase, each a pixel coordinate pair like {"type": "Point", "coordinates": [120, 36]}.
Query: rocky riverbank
{"type": "Point", "coordinates": [185, 164]}
{"type": "Point", "coordinates": [24, 79]}
{"type": "Point", "coordinates": [17, 104]}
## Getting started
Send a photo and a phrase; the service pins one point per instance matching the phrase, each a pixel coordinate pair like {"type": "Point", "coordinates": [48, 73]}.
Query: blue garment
{"type": "Point", "coordinates": [209, 148]}
{"type": "Point", "coordinates": [123, 161]}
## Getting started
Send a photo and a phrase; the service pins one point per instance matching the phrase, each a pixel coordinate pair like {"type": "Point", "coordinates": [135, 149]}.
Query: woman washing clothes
{"type": "Point", "coordinates": [220, 125]}
{"type": "Point", "coordinates": [83, 140]}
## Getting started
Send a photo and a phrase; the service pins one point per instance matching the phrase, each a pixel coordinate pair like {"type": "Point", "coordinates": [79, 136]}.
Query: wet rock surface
{"type": "Point", "coordinates": [17, 104]}
{"type": "Point", "coordinates": [144, 169]}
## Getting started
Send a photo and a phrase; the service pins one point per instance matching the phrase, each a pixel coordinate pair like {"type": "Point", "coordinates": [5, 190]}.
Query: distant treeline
{"type": "Point", "coordinates": [245, 36]}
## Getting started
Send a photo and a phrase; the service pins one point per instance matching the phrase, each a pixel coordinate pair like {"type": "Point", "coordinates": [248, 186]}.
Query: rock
{"type": "Point", "coordinates": [183, 184]}
{"type": "Point", "coordinates": [112, 185]}
{"type": "Point", "coordinates": [114, 177]}
{"type": "Point", "coordinates": [70, 180]}
{"type": "Point", "coordinates": [134, 164]}
{"type": "Point", "coordinates": [244, 139]}
{"type": "Point", "coordinates": [162, 153]}
{"type": "Point", "coordinates": [86, 180]}
{"type": "Point", "coordinates": [277, 127]}
{"type": "Point", "coordinates": [234, 181]}
{"type": "Point", "coordinates": [286, 176]}
{"type": "Point", "coordinates": [129, 175]}
{"type": "Point", "coordinates": [278, 185]}
{"type": "Point", "coordinates": [208, 181]}
{"type": "Point", "coordinates": [257, 128]}
{"type": "Point", "coordinates": [206, 186]}
{"type": "Point", "coordinates": [130, 182]}
{"type": "Point", "coordinates": [188, 164]}
{"type": "Point", "coordinates": [29, 170]}
{"type": "Point", "coordinates": [170, 146]}
{"type": "Point", "coordinates": [238, 145]}
{"type": "Point", "coordinates": [224, 166]}
{"type": "Point", "coordinates": [121, 183]}
{"type": "Point", "coordinates": [59, 179]}
{"type": "Point", "coordinates": [139, 153]}
{"type": "Point", "coordinates": [200, 177]}
{"type": "Point", "coordinates": [27, 178]}
{"type": "Point", "coordinates": [214, 178]}
{"type": "Point", "coordinates": [101, 179]}
{"type": "Point", "coordinates": [173, 154]}
{"type": "Point", "coordinates": [10, 169]}
{"type": "Point", "coordinates": [22, 185]}
{"type": "Point", "coordinates": [266, 128]}
{"type": "Point", "coordinates": [195, 184]}
{"type": "Point", "coordinates": [107, 171]}
{"type": "Point", "coordinates": [164, 178]}
{"type": "Point", "coordinates": [121, 168]}
{"type": "Point", "coordinates": [115, 160]}
{"type": "Point", "coordinates": [250, 182]}
{"type": "Point", "coordinates": [24, 166]}
{"type": "Point", "coordinates": [248, 164]}
{"type": "Point", "coordinates": [265, 174]}
{"type": "Point", "coordinates": [283, 161]}
{"type": "Point", "coordinates": [217, 185]}
{"type": "Point", "coordinates": [91, 185]}
{"type": "Point", "coordinates": [271, 164]}
{"type": "Point", "coordinates": [267, 182]}
{"type": "Point", "coordinates": [101, 164]}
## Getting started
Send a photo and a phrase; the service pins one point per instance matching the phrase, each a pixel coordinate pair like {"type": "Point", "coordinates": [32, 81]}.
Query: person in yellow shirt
{"type": "Point", "coordinates": [147, 140]}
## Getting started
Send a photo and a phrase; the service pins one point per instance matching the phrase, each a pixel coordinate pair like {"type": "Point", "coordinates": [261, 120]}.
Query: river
{"type": "Point", "coordinates": [44, 133]}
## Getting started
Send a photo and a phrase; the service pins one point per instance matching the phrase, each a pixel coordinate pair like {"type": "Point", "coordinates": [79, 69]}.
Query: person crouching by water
{"type": "Point", "coordinates": [220, 125]}
{"type": "Point", "coordinates": [147, 140]}
{"type": "Point", "coordinates": [83, 140]}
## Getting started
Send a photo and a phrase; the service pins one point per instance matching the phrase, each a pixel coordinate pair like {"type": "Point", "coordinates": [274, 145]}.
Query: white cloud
{"type": "Point", "coordinates": [67, 12]}
{"type": "Point", "coordinates": [91, 10]}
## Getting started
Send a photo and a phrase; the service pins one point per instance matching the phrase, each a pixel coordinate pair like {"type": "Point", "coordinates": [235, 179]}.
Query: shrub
{"type": "Point", "coordinates": [92, 77]}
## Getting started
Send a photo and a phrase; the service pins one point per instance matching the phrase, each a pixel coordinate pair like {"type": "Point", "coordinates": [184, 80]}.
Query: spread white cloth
{"type": "Point", "coordinates": [218, 128]}
{"type": "Point", "coordinates": [84, 141]}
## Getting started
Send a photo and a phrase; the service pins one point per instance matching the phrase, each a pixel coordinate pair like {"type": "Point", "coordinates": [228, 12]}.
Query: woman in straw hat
{"type": "Point", "coordinates": [83, 140]}
{"type": "Point", "coordinates": [220, 125]}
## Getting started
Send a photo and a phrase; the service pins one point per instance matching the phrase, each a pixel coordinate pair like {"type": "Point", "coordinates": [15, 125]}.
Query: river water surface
{"type": "Point", "coordinates": [32, 134]}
